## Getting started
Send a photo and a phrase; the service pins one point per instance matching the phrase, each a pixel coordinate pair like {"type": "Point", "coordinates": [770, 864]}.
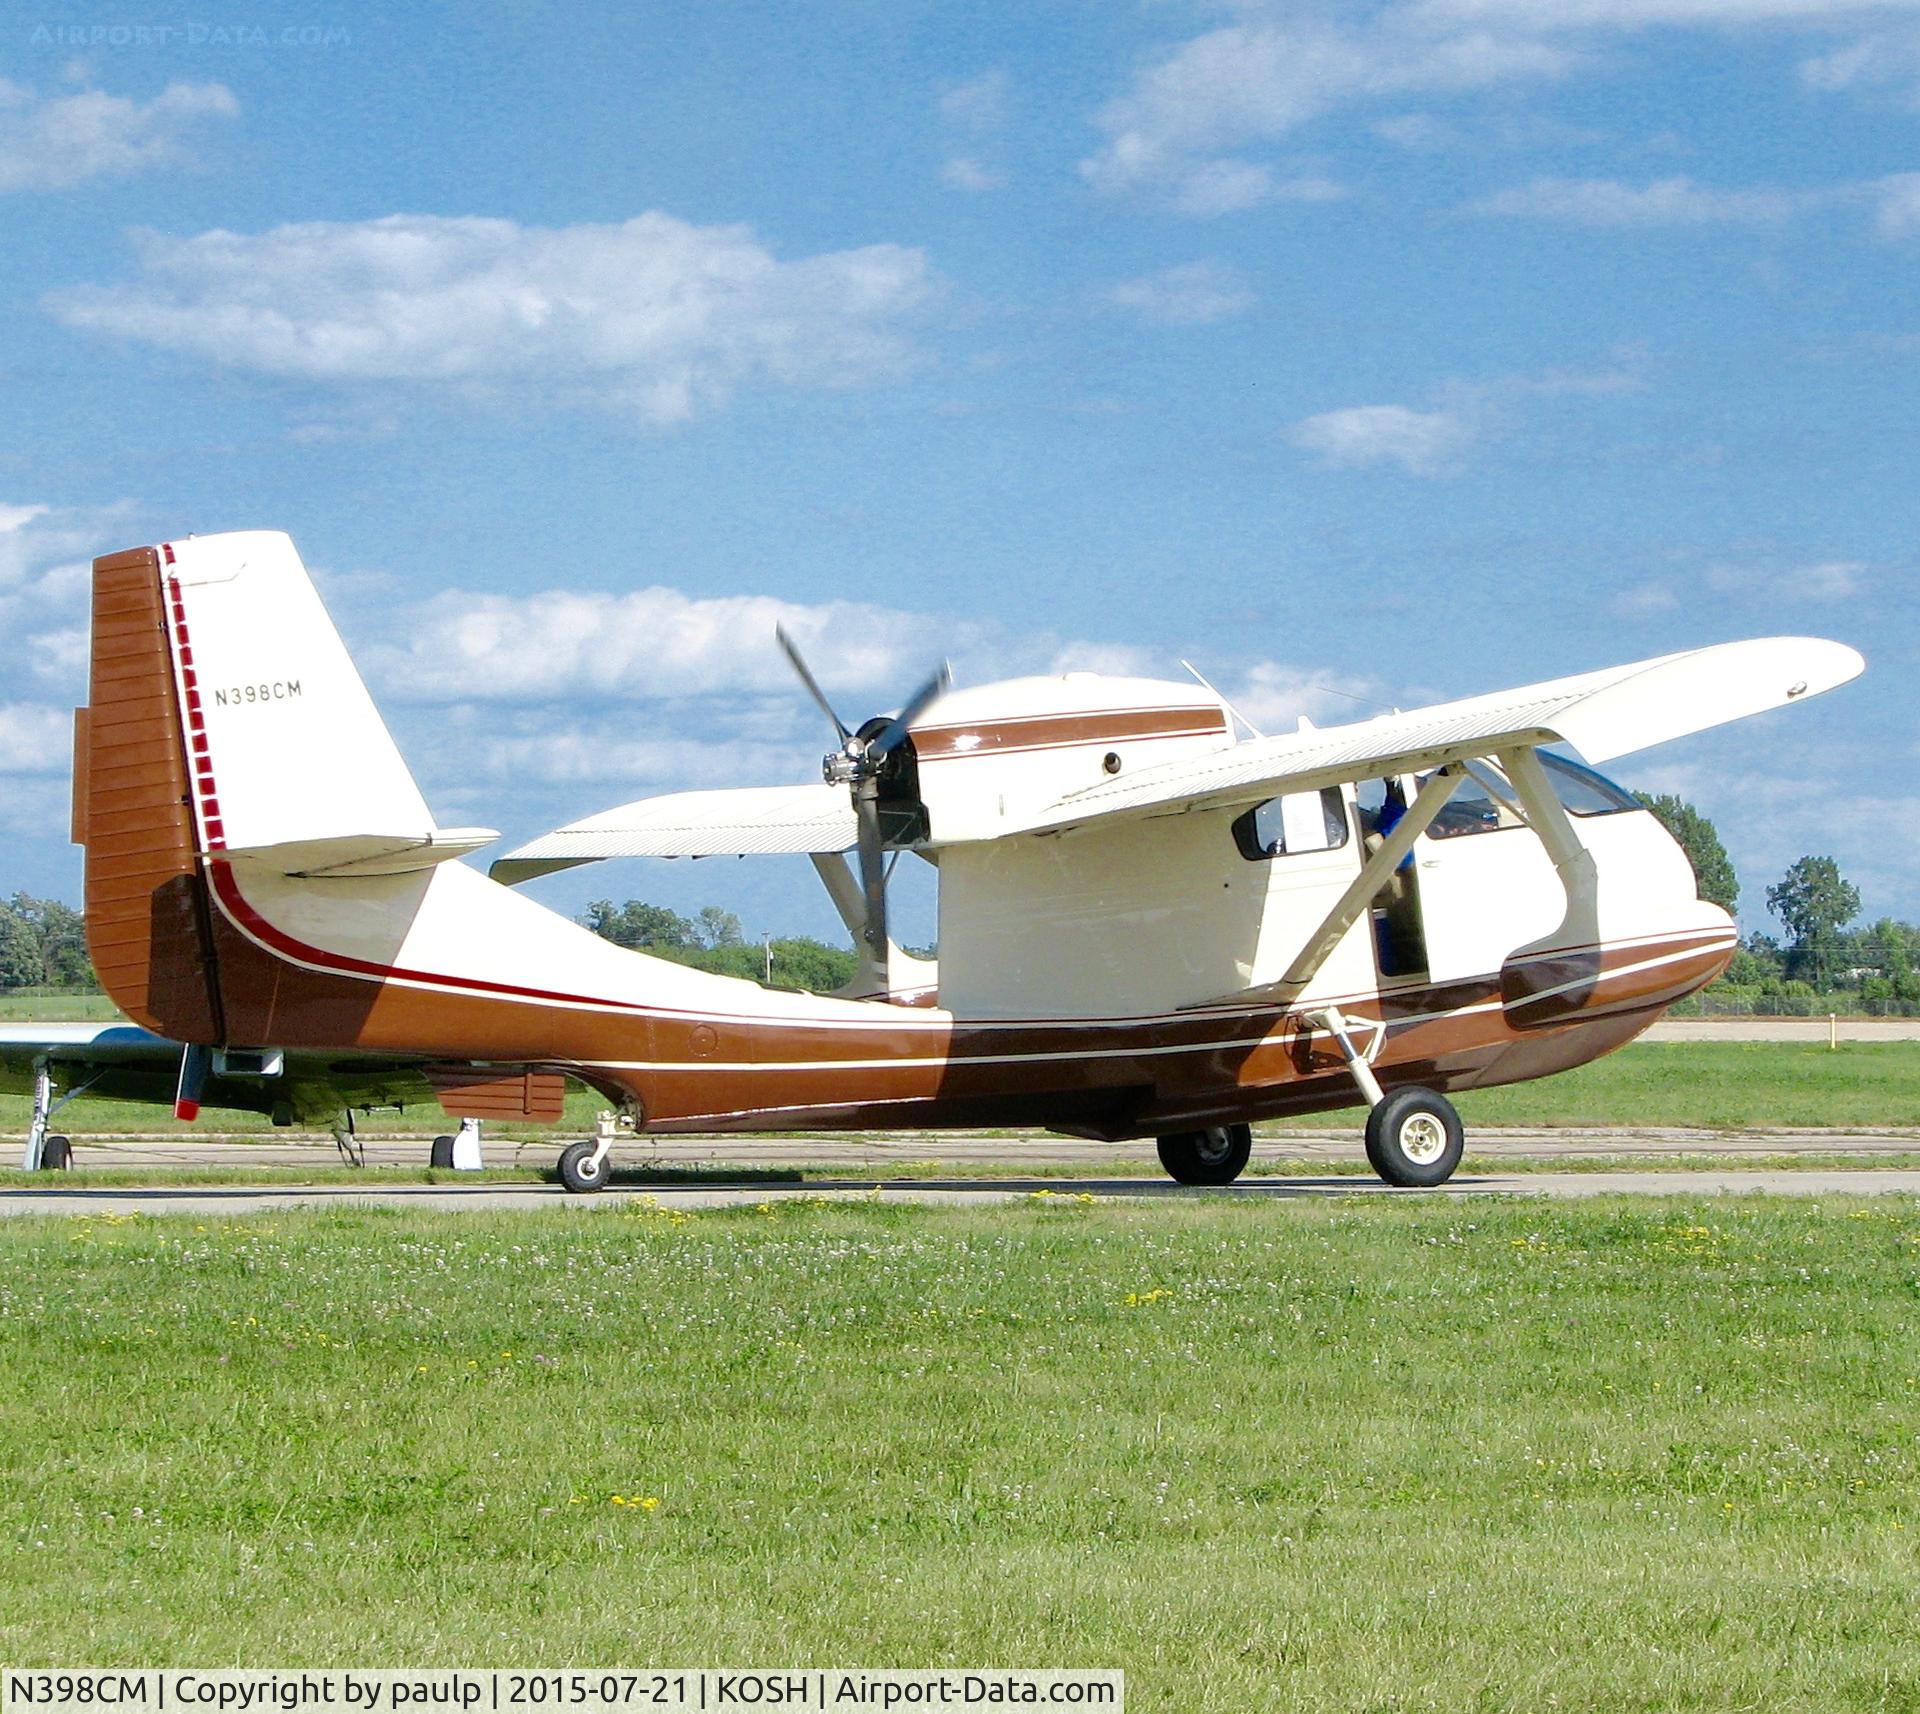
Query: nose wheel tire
{"type": "Point", "coordinates": [1414, 1137]}
{"type": "Point", "coordinates": [441, 1154]}
{"type": "Point", "coordinates": [56, 1155]}
{"type": "Point", "coordinates": [1217, 1155]}
{"type": "Point", "coordinates": [583, 1166]}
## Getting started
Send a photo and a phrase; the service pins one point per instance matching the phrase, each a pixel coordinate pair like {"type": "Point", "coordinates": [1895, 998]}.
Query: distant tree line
{"type": "Point", "coordinates": [713, 940]}
{"type": "Point", "coordinates": [43, 944]}
{"type": "Point", "coordinates": [1825, 955]}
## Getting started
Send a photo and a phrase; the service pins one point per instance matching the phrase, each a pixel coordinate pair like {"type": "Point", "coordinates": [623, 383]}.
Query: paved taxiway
{"type": "Point", "coordinates": [851, 1152]}
{"type": "Point", "coordinates": [250, 1199]}
{"type": "Point", "coordinates": [768, 1168]}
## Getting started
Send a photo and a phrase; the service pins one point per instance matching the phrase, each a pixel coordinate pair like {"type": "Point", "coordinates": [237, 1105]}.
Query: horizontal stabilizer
{"type": "Point", "coordinates": [346, 855]}
{"type": "Point", "coordinates": [1602, 714]}
{"type": "Point", "coordinates": [752, 821]}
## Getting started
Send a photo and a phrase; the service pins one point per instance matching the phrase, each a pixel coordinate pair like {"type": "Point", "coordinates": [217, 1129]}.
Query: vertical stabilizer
{"type": "Point", "coordinates": [286, 744]}
{"type": "Point", "coordinates": [226, 721]}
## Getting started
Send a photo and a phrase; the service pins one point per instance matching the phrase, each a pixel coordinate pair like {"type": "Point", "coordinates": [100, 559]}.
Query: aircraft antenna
{"type": "Point", "coordinates": [1244, 721]}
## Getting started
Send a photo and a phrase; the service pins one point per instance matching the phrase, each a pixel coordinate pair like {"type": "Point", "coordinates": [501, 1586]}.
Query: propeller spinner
{"type": "Point", "coordinates": [858, 764]}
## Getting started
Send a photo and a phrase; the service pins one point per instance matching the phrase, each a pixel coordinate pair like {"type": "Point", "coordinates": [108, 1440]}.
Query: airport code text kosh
{"type": "Point", "coordinates": [370, 1692]}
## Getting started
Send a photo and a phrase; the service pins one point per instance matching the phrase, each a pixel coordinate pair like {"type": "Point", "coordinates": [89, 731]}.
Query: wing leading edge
{"type": "Point", "coordinates": [1601, 714]}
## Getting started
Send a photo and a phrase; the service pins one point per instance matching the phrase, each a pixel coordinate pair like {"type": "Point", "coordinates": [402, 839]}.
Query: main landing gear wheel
{"type": "Point", "coordinates": [583, 1166]}
{"type": "Point", "coordinates": [1217, 1155]}
{"type": "Point", "coordinates": [1414, 1137]}
{"type": "Point", "coordinates": [442, 1153]}
{"type": "Point", "coordinates": [56, 1155]}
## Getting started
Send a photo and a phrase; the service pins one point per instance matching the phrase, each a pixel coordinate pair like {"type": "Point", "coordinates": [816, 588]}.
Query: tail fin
{"type": "Point", "coordinates": [286, 744]}
{"type": "Point", "coordinates": [226, 721]}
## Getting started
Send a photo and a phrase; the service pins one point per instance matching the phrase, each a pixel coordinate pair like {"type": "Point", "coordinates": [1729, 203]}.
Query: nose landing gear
{"type": "Point", "coordinates": [1414, 1136]}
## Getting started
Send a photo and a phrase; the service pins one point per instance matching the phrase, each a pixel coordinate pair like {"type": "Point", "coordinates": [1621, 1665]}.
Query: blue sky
{"type": "Point", "coordinates": [1363, 354]}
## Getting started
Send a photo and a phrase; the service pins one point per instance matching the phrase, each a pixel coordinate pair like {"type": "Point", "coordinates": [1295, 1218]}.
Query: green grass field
{"type": "Point", "coordinates": [30, 1007]}
{"type": "Point", "coordinates": [1322, 1456]}
{"type": "Point", "coordinates": [1708, 1084]}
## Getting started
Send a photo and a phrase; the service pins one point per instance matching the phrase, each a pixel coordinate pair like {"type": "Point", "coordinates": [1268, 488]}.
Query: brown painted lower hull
{"type": "Point", "coordinates": [1102, 1078]}
{"type": "Point", "coordinates": [1450, 1040]}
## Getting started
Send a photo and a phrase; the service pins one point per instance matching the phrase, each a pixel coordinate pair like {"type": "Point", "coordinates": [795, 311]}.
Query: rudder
{"type": "Point", "coordinates": [148, 930]}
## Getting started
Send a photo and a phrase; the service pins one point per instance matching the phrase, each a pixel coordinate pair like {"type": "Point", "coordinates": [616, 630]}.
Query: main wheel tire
{"type": "Point", "coordinates": [1414, 1137]}
{"type": "Point", "coordinates": [1217, 1155]}
{"type": "Point", "coordinates": [441, 1154]}
{"type": "Point", "coordinates": [56, 1155]}
{"type": "Point", "coordinates": [579, 1170]}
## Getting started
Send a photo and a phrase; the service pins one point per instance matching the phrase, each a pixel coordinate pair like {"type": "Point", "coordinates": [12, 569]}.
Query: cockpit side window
{"type": "Point", "coordinates": [1288, 826]}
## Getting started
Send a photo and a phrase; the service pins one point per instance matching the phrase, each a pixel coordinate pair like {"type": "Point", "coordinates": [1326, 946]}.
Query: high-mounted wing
{"type": "Point", "coordinates": [754, 820]}
{"type": "Point", "coordinates": [1602, 714]}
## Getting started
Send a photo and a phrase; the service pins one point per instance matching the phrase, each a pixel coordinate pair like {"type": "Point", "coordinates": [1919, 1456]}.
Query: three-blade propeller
{"type": "Point", "coordinates": [858, 764]}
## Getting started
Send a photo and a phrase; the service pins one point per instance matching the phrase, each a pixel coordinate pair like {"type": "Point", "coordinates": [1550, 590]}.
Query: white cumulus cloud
{"type": "Point", "coordinates": [1883, 59]}
{"type": "Point", "coordinates": [1179, 130]}
{"type": "Point", "coordinates": [644, 644]}
{"type": "Point", "coordinates": [1824, 581]}
{"type": "Point", "coordinates": [1422, 443]}
{"type": "Point", "coordinates": [35, 738]}
{"type": "Point", "coordinates": [973, 114]}
{"type": "Point", "coordinates": [1274, 696]}
{"type": "Point", "coordinates": [653, 313]}
{"type": "Point", "coordinates": [1896, 205]}
{"type": "Point", "coordinates": [52, 142]}
{"type": "Point", "coordinates": [1664, 202]}
{"type": "Point", "coordinates": [1547, 15]}
{"type": "Point", "coordinates": [1185, 296]}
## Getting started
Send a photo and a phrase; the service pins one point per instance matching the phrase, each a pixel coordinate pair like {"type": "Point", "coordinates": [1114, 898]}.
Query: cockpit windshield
{"type": "Point", "coordinates": [1485, 800]}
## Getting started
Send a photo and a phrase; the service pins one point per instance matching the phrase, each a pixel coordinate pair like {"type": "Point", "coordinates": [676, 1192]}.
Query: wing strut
{"type": "Point", "coordinates": [1572, 861]}
{"type": "Point", "coordinates": [1352, 904]}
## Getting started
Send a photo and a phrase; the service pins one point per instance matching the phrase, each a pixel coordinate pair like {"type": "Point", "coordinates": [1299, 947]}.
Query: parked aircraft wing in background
{"type": "Point", "coordinates": [120, 1061]}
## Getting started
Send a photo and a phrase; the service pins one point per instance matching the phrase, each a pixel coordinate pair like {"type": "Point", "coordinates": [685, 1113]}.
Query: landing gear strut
{"type": "Point", "coordinates": [44, 1153]}
{"type": "Point", "coordinates": [587, 1166]}
{"type": "Point", "coordinates": [459, 1152]}
{"type": "Point", "coordinates": [1414, 1135]}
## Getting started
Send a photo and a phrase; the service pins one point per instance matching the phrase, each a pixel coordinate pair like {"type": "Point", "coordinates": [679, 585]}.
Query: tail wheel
{"type": "Point", "coordinates": [1217, 1155]}
{"type": "Point", "coordinates": [1414, 1137]}
{"type": "Point", "coordinates": [56, 1154]}
{"type": "Point", "coordinates": [442, 1152]}
{"type": "Point", "coordinates": [583, 1166]}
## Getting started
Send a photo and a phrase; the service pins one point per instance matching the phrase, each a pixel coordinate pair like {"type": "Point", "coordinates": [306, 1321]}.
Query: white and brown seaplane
{"type": "Point", "coordinates": [1150, 925]}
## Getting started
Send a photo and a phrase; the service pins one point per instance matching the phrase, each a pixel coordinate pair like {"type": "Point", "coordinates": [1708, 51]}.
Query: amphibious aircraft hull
{"type": "Point", "coordinates": [262, 872]}
{"type": "Point", "coordinates": [689, 1070]}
